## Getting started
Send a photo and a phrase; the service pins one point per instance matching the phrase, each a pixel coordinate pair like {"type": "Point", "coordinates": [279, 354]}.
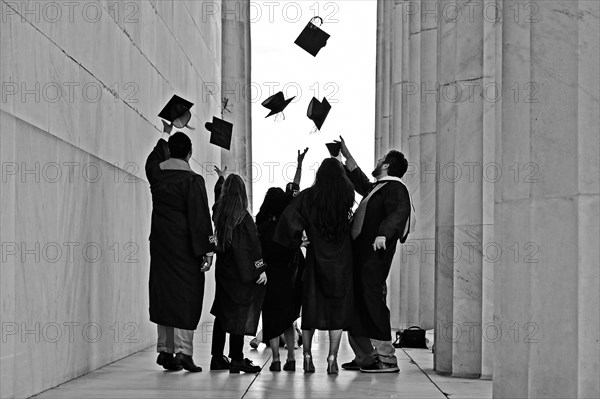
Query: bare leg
{"type": "Point", "coordinates": [335, 337]}
{"type": "Point", "coordinates": [307, 337]}
{"type": "Point", "coordinates": [275, 348]}
{"type": "Point", "coordinates": [290, 341]}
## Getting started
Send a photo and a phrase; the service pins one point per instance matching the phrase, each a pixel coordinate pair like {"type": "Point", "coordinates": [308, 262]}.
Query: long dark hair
{"type": "Point", "coordinates": [231, 209]}
{"type": "Point", "coordinates": [273, 205]}
{"type": "Point", "coordinates": [332, 196]}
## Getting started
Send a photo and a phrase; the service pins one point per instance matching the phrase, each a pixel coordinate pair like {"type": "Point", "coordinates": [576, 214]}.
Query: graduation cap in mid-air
{"type": "Point", "coordinates": [334, 148]}
{"type": "Point", "coordinates": [220, 132]}
{"type": "Point", "coordinates": [177, 112]}
{"type": "Point", "coordinates": [312, 38]}
{"type": "Point", "coordinates": [317, 111]}
{"type": "Point", "coordinates": [276, 103]}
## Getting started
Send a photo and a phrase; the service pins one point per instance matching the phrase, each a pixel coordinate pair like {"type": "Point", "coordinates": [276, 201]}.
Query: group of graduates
{"type": "Point", "coordinates": [339, 284]}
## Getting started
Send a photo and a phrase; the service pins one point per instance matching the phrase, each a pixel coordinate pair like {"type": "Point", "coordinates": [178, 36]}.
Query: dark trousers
{"type": "Point", "coordinates": [236, 343]}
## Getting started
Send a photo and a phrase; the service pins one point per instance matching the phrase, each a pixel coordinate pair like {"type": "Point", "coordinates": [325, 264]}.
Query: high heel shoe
{"type": "Point", "coordinates": [332, 366]}
{"type": "Point", "coordinates": [309, 367]}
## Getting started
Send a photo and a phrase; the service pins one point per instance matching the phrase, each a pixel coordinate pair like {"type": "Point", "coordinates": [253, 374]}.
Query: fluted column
{"type": "Point", "coordinates": [410, 292]}
{"type": "Point", "coordinates": [383, 78]}
{"type": "Point", "coordinates": [547, 209]}
{"type": "Point", "coordinates": [235, 84]}
{"type": "Point", "coordinates": [459, 194]}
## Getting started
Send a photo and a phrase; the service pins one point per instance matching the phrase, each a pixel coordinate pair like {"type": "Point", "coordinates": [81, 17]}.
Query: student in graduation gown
{"type": "Point", "coordinates": [284, 289]}
{"type": "Point", "coordinates": [323, 212]}
{"type": "Point", "coordinates": [378, 223]}
{"type": "Point", "coordinates": [180, 249]}
{"type": "Point", "coordinates": [240, 276]}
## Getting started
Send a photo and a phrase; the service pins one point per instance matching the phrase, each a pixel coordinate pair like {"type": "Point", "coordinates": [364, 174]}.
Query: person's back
{"type": "Point", "coordinates": [180, 250]}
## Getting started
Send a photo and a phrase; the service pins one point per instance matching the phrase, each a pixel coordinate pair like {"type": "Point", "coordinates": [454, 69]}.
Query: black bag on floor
{"type": "Point", "coordinates": [412, 337]}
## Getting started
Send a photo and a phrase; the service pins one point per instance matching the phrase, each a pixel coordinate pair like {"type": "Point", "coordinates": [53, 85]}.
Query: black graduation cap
{"type": "Point", "coordinates": [220, 132]}
{"type": "Point", "coordinates": [334, 148]}
{"type": "Point", "coordinates": [276, 103]}
{"type": "Point", "coordinates": [317, 111]}
{"type": "Point", "coordinates": [312, 38]}
{"type": "Point", "coordinates": [177, 111]}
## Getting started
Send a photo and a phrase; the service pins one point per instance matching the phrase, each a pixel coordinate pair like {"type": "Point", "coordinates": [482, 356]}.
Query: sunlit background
{"type": "Point", "coordinates": [343, 72]}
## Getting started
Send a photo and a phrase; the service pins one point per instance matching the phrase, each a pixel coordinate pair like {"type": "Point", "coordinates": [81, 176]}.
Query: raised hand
{"type": "Point", "coordinates": [345, 152]}
{"type": "Point", "coordinates": [301, 155]}
{"type": "Point", "coordinates": [220, 173]}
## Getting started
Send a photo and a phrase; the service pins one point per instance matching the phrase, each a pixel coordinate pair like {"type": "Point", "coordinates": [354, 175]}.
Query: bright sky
{"type": "Point", "coordinates": [343, 71]}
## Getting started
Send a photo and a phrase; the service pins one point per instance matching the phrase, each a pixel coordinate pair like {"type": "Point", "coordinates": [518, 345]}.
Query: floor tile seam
{"type": "Point", "coordinates": [426, 375]}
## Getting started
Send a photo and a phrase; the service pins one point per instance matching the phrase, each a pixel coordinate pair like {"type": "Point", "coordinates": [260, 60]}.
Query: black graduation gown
{"type": "Point", "coordinates": [283, 298]}
{"type": "Point", "coordinates": [327, 298]}
{"type": "Point", "coordinates": [180, 234]}
{"type": "Point", "coordinates": [238, 299]}
{"type": "Point", "coordinates": [386, 215]}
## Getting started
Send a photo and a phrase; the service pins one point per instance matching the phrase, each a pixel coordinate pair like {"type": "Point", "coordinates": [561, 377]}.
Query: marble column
{"type": "Point", "coordinates": [547, 203]}
{"type": "Point", "coordinates": [235, 87]}
{"type": "Point", "coordinates": [383, 78]}
{"type": "Point", "coordinates": [401, 48]}
{"type": "Point", "coordinates": [459, 192]}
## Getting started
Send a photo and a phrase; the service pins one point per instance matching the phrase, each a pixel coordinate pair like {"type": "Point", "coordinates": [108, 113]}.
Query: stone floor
{"type": "Point", "coordinates": [137, 376]}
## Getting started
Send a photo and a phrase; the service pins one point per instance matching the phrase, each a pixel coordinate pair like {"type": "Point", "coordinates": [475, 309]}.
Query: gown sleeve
{"type": "Point", "coordinates": [247, 251]}
{"type": "Point", "coordinates": [292, 223]}
{"type": "Point", "coordinates": [159, 154]}
{"type": "Point", "coordinates": [361, 182]}
{"type": "Point", "coordinates": [199, 220]}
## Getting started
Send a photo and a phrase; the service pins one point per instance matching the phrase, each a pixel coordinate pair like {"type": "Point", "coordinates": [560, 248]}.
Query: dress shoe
{"type": "Point", "coordinates": [219, 363]}
{"type": "Point", "coordinates": [290, 365]}
{"type": "Point", "coordinates": [351, 366]}
{"type": "Point", "coordinates": [186, 362]}
{"type": "Point", "coordinates": [245, 365]}
{"type": "Point", "coordinates": [166, 360]}
{"type": "Point", "coordinates": [332, 366]}
{"type": "Point", "coordinates": [275, 366]}
{"type": "Point", "coordinates": [309, 367]}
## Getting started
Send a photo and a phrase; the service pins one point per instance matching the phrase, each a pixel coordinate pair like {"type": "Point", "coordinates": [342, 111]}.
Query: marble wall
{"type": "Point", "coordinates": [82, 83]}
{"type": "Point", "coordinates": [547, 295]}
{"type": "Point", "coordinates": [495, 103]}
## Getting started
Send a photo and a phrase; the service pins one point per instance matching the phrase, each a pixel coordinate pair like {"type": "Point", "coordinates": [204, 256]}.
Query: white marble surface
{"type": "Point", "coordinates": [167, 47]}
{"type": "Point", "coordinates": [556, 215]}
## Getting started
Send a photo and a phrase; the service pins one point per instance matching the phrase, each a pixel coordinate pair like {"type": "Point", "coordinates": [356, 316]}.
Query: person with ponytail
{"type": "Point", "coordinates": [239, 273]}
{"type": "Point", "coordinates": [323, 211]}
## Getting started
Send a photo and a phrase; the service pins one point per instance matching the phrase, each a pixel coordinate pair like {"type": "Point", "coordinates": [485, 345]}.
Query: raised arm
{"type": "Point", "coordinates": [159, 154]}
{"type": "Point", "coordinates": [220, 181]}
{"type": "Point", "coordinates": [298, 174]}
{"type": "Point", "coordinates": [361, 182]}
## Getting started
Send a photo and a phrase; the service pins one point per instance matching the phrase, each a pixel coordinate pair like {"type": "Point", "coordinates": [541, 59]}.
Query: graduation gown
{"type": "Point", "coordinates": [327, 298]}
{"type": "Point", "coordinates": [283, 298]}
{"type": "Point", "coordinates": [238, 299]}
{"type": "Point", "coordinates": [180, 235]}
{"type": "Point", "coordinates": [386, 214]}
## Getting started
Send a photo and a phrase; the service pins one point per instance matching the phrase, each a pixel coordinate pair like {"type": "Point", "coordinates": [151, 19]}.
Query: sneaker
{"type": "Point", "coordinates": [219, 363]}
{"type": "Point", "coordinates": [351, 366]}
{"type": "Point", "coordinates": [380, 367]}
{"type": "Point", "coordinates": [245, 365]}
